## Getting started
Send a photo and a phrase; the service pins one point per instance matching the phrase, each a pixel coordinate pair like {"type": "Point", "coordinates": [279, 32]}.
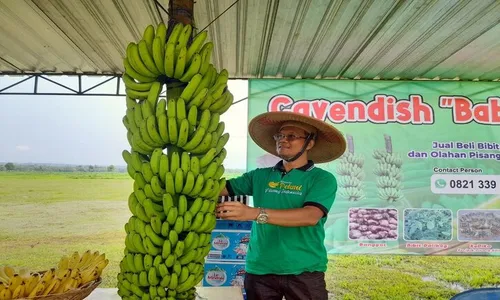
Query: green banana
{"type": "Point", "coordinates": [198, 185]}
{"type": "Point", "coordinates": [179, 180]}
{"type": "Point", "coordinates": [195, 140]}
{"type": "Point", "coordinates": [183, 133]}
{"type": "Point", "coordinates": [169, 183]}
{"type": "Point", "coordinates": [163, 168]}
{"type": "Point", "coordinates": [196, 45]}
{"type": "Point", "coordinates": [180, 64]}
{"type": "Point", "coordinates": [153, 131]}
{"type": "Point", "coordinates": [169, 61]}
{"type": "Point", "coordinates": [193, 69]}
{"type": "Point", "coordinates": [195, 165]}
{"type": "Point", "coordinates": [131, 84]}
{"type": "Point", "coordinates": [147, 58]}
{"type": "Point", "coordinates": [159, 55]}
{"type": "Point", "coordinates": [188, 92]}
{"type": "Point", "coordinates": [155, 160]}
{"type": "Point", "coordinates": [188, 183]}
{"type": "Point", "coordinates": [173, 134]}
{"type": "Point", "coordinates": [175, 161]}
{"type": "Point", "coordinates": [208, 157]}
{"type": "Point", "coordinates": [162, 122]}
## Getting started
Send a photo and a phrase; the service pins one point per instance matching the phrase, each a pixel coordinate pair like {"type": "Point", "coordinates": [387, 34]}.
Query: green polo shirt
{"type": "Point", "coordinates": [287, 250]}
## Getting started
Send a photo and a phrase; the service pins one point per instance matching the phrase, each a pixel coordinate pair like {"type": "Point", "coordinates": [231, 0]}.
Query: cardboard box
{"type": "Point", "coordinates": [233, 225]}
{"type": "Point", "coordinates": [229, 245]}
{"type": "Point", "coordinates": [224, 274]}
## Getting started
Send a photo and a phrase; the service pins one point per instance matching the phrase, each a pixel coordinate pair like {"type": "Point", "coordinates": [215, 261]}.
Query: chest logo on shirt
{"type": "Point", "coordinates": [282, 187]}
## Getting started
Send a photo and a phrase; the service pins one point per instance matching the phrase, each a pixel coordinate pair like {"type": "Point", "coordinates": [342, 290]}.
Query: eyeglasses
{"type": "Point", "coordinates": [288, 137]}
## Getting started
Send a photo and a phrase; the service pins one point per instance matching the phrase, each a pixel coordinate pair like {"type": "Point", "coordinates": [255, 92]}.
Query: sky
{"type": "Point", "coordinates": [88, 130]}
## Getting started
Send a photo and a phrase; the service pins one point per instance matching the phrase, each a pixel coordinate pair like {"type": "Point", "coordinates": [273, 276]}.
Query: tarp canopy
{"type": "Point", "coordinates": [388, 39]}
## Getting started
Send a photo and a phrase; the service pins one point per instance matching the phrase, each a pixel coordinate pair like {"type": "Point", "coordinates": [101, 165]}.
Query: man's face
{"type": "Point", "coordinates": [290, 142]}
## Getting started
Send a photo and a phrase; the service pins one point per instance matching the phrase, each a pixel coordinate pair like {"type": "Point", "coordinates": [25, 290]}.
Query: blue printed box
{"type": "Point", "coordinates": [233, 225]}
{"type": "Point", "coordinates": [229, 245]}
{"type": "Point", "coordinates": [224, 274]}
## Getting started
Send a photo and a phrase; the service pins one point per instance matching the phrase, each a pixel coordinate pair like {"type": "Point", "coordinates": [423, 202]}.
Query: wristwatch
{"type": "Point", "coordinates": [262, 217]}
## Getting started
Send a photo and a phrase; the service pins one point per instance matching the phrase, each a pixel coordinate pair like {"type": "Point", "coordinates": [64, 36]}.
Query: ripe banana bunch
{"type": "Point", "coordinates": [351, 174]}
{"type": "Point", "coordinates": [390, 176]}
{"type": "Point", "coordinates": [71, 273]}
{"type": "Point", "coordinates": [176, 161]}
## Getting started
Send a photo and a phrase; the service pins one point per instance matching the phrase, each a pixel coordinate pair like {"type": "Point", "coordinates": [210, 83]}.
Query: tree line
{"type": "Point", "coordinates": [60, 168]}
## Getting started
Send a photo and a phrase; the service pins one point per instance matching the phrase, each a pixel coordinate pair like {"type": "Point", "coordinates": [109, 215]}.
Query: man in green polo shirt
{"type": "Point", "coordinates": [286, 255]}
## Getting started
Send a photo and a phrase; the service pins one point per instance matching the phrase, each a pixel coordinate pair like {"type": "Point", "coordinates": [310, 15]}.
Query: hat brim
{"type": "Point", "coordinates": [330, 143]}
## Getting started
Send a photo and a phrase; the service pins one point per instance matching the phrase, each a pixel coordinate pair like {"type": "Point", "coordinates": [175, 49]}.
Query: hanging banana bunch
{"type": "Point", "coordinates": [175, 159]}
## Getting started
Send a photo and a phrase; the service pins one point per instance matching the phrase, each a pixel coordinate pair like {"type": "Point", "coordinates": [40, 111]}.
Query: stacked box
{"type": "Point", "coordinates": [225, 263]}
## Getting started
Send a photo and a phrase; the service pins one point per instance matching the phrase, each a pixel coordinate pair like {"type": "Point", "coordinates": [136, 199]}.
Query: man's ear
{"type": "Point", "coordinates": [310, 145]}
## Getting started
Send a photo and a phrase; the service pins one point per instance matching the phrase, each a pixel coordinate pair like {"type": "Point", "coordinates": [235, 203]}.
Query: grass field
{"type": "Point", "coordinates": [45, 216]}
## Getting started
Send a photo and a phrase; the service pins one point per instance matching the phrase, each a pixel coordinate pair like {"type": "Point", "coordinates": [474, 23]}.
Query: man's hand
{"type": "Point", "coordinates": [236, 211]}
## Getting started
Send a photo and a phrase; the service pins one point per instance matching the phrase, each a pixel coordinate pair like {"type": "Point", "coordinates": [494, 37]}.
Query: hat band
{"type": "Point", "coordinates": [306, 127]}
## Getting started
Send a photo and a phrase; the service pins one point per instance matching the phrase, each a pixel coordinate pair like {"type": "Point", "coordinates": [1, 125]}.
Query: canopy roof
{"type": "Point", "coordinates": [388, 39]}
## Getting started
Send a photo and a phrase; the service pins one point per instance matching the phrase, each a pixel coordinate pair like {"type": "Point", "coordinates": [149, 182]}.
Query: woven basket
{"type": "Point", "coordinates": [75, 294]}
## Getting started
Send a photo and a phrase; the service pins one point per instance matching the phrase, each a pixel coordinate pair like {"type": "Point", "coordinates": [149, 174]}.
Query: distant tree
{"type": "Point", "coordinates": [111, 168]}
{"type": "Point", "coordinates": [2, 168]}
{"type": "Point", "coordinates": [91, 168]}
{"type": "Point", "coordinates": [10, 166]}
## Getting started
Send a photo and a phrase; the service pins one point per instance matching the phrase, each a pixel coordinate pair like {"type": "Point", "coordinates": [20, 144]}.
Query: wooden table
{"type": "Point", "coordinates": [207, 293]}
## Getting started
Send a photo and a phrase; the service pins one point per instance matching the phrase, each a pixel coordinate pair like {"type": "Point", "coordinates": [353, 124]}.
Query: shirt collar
{"type": "Point", "coordinates": [307, 167]}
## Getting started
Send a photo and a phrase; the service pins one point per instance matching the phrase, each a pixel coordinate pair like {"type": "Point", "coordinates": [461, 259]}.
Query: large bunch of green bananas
{"type": "Point", "coordinates": [390, 176]}
{"type": "Point", "coordinates": [71, 273]}
{"type": "Point", "coordinates": [350, 169]}
{"type": "Point", "coordinates": [176, 161]}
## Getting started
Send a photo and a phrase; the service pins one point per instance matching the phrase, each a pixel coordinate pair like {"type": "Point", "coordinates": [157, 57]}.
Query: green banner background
{"type": "Point", "coordinates": [377, 172]}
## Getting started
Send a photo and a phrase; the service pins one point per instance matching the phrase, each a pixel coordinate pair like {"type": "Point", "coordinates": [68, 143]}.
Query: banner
{"type": "Point", "coordinates": [421, 174]}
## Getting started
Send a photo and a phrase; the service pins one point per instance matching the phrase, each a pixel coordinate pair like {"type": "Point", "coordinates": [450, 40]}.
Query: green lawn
{"type": "Point", "coordinates": [45, 216]}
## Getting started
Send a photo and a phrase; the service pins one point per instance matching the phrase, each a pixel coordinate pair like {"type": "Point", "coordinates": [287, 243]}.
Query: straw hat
{"type": "Point", "coordinates": [329, 142]}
